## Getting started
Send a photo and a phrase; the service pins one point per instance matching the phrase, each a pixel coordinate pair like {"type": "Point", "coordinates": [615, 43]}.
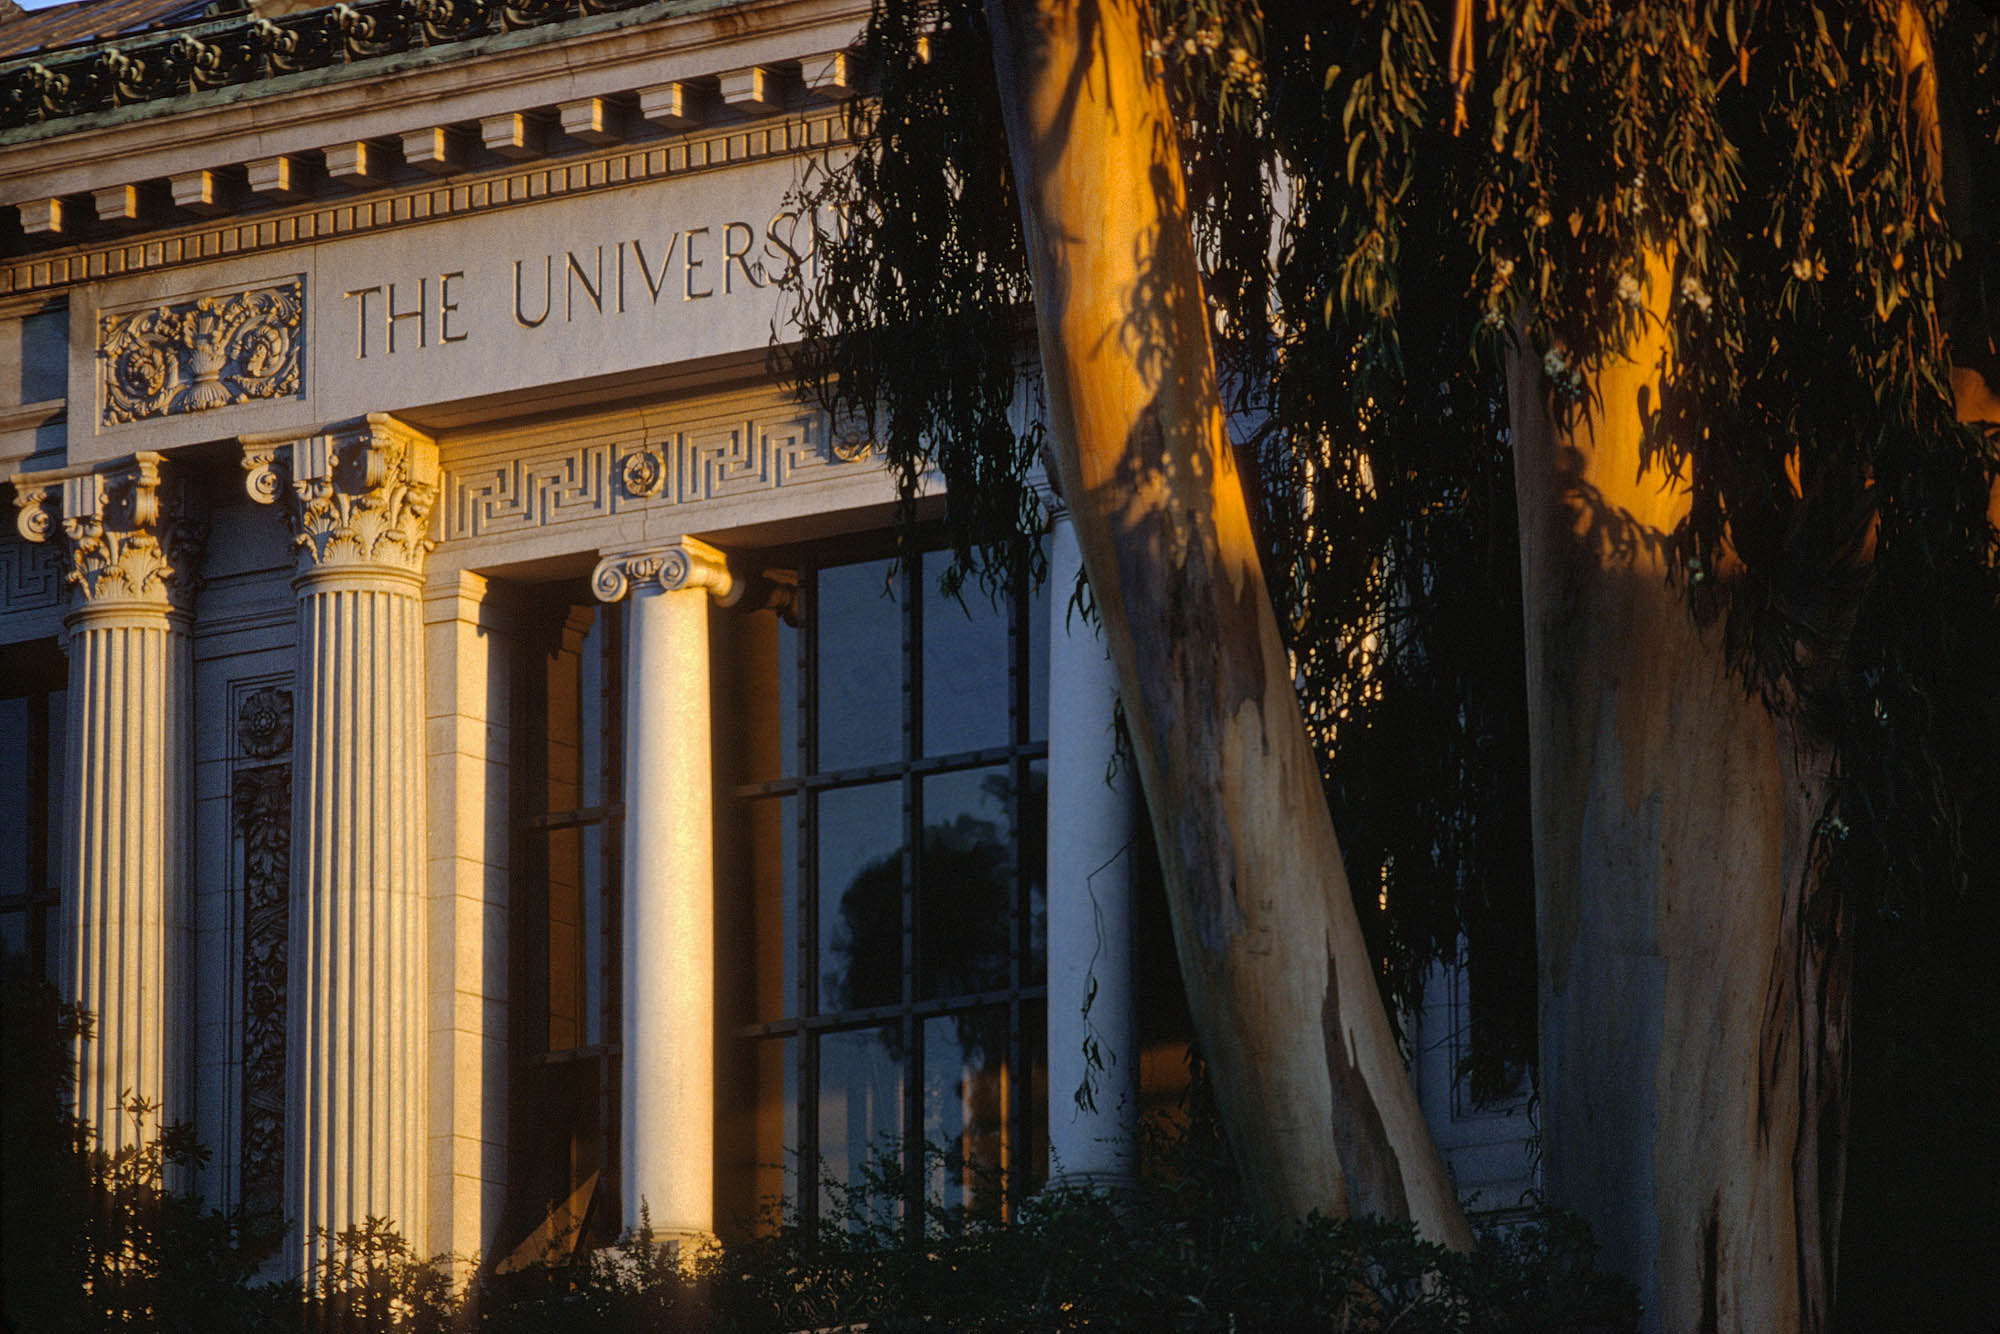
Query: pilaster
{"type": "Point", "coordinates": [667, 1105]}
{"type": "Point", "coordinates": [133, 542]}
{"type": "Point", "coordinates": [358, 499]}
{"type": "Point", "coordinates": [467, 719]}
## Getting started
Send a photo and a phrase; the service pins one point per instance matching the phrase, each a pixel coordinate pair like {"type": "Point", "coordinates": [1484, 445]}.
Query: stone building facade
{"type": "Point", "coordinates": [469, 743]}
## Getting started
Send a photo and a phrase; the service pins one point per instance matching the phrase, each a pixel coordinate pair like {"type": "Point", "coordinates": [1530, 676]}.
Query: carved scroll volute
{"type": "Point", "coordinates": [133, 534]}
{"type": "Point", "coordinates": [686, 562]}
{"type": "Point", "coordinates": [360, 495]}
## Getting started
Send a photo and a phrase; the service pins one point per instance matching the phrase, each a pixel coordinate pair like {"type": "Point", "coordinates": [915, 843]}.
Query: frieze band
{"type": "Point", "coordinates": [605, 477]}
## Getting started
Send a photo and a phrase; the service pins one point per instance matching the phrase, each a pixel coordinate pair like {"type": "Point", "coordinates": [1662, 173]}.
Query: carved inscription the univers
{"type": "Point", "coordinates": [207, 353]}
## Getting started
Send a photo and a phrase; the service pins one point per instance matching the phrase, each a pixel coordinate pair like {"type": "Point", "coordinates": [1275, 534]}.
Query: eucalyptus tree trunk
{"type": "Point", "coordinates": [1693, 1078]}
{"type": "Point", "coordinates": [1312, 1089]}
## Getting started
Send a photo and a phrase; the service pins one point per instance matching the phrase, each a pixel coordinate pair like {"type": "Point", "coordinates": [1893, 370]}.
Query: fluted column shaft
{"type": "Point", "coordinates": [124, 909]}
{"type": "Point", "coordinates": [668, 1081]}
{"type": "Point", "coordinates": [358, 1022]}
{"type": "Point", "coordinates": [133, 545]}
{"type": "Point", "coordinates": [1093, 1036]}
{"type": "Point", "coordinates": [356, 1113]}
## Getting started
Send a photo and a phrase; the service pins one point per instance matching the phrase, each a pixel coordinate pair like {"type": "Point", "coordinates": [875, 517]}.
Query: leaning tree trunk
{"type": "Point", "coordinates": [1692, 1030]}
{"type": "Point", "coordinates": [1311, 1086]}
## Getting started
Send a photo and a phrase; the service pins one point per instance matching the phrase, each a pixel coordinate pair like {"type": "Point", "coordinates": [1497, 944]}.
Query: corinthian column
{"type": "Point", "coordinates": [359, 499]}
{"type": "Point", "coordinates": [668, 1021]}
{"type": "Point", "coordinates": [133, 548]}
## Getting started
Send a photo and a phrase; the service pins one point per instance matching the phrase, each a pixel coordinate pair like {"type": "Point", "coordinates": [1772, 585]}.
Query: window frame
{"type": "Point", "coordinates": [809, 1019]}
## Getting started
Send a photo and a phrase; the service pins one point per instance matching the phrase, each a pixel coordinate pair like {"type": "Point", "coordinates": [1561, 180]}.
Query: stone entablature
{"type": "Point", "coordinates": [601, 481]}
{"type": "Point", "coordinates": [417, 204]}
{"type": "Point", "coordinates": [646, 74]}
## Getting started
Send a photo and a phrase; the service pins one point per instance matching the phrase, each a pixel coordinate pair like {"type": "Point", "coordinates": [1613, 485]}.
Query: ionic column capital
{"type": "Point", "coordinates": [684, 563]}
{"type": "Point", "coordinates": [358, 496]}
{"type": "Point", "coordinates": [133, 533]}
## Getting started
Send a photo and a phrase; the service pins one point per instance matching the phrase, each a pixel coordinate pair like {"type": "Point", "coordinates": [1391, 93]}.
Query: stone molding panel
{"type": "Point", "coordinates": [613, 473]}
{"type": "Point", "coordinates": [194, 356]}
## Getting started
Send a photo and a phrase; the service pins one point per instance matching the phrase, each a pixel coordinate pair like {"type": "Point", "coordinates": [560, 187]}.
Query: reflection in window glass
{"type": "Point", "coordinates": [964, 932]}
{"type": "Point", "coordinates": [860, 1114]}
{"type": "Point", "coordinates": [926, 852]}
{"type": "Point", "coordinates": [1034, 863]}
{"type": "Point", "coordinates": [860, 686]}
{"type": "Point", "coordinates": [861, 896]}
{"type": "Point", "coordinates": [966, 656]}
{"type": "Point", "coordinates": [968, 1104]}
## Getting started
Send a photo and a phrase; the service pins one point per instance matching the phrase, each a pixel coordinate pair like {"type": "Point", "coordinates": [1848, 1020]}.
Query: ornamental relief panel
{"type": "Point", "coordinates": [261, 798]}
{"type": "Point", "coordinates": [197, 355]}
{"type": "Point", "coordinates": [570, 482]}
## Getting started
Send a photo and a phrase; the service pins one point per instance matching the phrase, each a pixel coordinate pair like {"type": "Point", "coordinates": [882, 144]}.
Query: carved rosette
{"type": "Point", "coordinates": [687, 562]}
{"type": "Point", "coordinates": [358, 496]}
{"type": "Point", "coordinates": [132, 535]}
{"type": "Point", "coordinates": [197, 355]}
{"type": "Point", "coordinates": [643, 473]}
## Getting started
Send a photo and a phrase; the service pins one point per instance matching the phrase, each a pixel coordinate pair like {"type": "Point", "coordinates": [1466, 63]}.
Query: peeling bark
{"type": "Point", "coordinates": [1692, 1031]}
{"type": "Point", "coordinates": [1320, 1111]}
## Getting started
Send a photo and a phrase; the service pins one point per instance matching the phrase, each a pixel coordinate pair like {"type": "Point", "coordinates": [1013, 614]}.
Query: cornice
{"type": "Point", "coordinates": [81, 161]}
{"type": "Point", "coordinates": [420, 202]}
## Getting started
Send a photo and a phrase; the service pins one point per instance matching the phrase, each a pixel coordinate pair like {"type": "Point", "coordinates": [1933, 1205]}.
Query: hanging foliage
{"type": "Point", "coordinates": [1389, 198]}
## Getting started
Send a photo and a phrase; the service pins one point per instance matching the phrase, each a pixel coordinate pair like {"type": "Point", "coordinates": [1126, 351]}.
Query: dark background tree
{"type": "Point", "coordinates": [1396, 203]}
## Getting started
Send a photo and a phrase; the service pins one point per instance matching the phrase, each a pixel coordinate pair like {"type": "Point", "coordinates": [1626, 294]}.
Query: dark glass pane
{"type": "Point", "coordinates": [860, 1123]}
{"type": "Point", "coordinates": [593, 961]}
{"type": "Point", "coordinates": [966, 1105]}
{"type": "Point", "coordinates": [964, 935]}
{"type": "Point", "coordinates": [790, 761]}
{"type": "Point", "coordinates": [965, 667]}
{"type": "Point", "coordinates": [568, 725]}
{"type": "Point", "coordinates": [1034, 854]}
{"type": "Point", "coordinates": [757, 698]}
{"type": "Point", "coordinates": [860, 685]}
{"type": "Point", "coordinates": [773, 824]}
{"type": "Point", "coordinates": [568, 883]}
{"type": "Point", "coordinates": [861, 896]}
{"type": "Point", "coordinates": [1036, 627]}
{"type": "Point", "coordinates": [776, 1130]}
{"type": "Point", "coordinates": [590, 710]}
{"type": "Point", "coordinates": [1031, 1165]}
{"type": "Point", "coordinates": [14, 933]}
{"type": "Point", "coordinates": [16, 762]}
{"type": "Point", "coordinates": [58, 779]}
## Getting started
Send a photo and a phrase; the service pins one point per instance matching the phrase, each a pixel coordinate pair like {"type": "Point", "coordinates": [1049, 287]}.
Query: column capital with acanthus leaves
{"type": "Point", "coordinates": [132, 530]}
{"type": "Point", "coordinates": [358, 495]}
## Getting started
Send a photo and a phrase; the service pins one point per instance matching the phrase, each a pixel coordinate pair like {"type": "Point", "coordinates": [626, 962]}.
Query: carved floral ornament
{"type": "Point", "coordinates": [193, 356]}
{"type": "Point", "coordinates": [132, 535]}
{"type": "Point", "coordinates": [359, 495]}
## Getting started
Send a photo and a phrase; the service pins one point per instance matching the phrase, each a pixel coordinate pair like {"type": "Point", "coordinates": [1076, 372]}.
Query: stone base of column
{"type": "Point", "coordinates": [1117, 1185]}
